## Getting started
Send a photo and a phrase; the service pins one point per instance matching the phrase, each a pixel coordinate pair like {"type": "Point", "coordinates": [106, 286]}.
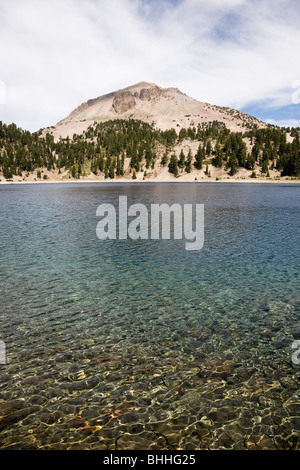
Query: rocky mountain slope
{"type": "Point", "coordinates": [148, 133]}
{"type": "Point", "coordinates": [166, 107]}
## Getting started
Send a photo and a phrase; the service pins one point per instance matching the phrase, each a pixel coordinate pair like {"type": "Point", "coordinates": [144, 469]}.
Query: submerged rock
{"type": "Point", "coordinates": [218, 416]}
{"type": "Point", "coordinates": [245, 373]}
{"type": "Point", "coordinates": [144, 441]}
{"type": "Point", "coordinates": [17, 416]}
{"type": "Point", "coordinates": [32, 380]}
{"type": "Point", "coordinates": [260, 442]}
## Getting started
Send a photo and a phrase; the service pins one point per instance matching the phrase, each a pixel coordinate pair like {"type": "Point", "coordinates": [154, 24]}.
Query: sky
{"type": "Point", "coordinates": [238, 53]}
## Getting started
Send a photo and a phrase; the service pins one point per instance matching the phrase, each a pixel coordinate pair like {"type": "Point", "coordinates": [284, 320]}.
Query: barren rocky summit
{"type": "Point", "coordinates": [165, 107]}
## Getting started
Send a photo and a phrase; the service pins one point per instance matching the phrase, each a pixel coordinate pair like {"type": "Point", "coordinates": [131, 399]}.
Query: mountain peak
{"type": "Point", "coordinates": [166, 107]}
{"type": "Point", "coordinates": [142, 84]}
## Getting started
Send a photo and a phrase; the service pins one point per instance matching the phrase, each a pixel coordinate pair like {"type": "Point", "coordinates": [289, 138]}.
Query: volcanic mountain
{"type": "Point", "coordinates": [165, 107]}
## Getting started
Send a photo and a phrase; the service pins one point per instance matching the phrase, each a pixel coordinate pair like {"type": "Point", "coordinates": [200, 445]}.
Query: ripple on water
{"type": "Point", "coordinates": [145, 345]}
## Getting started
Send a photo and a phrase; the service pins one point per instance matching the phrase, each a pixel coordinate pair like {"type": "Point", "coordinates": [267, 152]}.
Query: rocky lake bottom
{"type": "Point", "coordinates": [141, 345]}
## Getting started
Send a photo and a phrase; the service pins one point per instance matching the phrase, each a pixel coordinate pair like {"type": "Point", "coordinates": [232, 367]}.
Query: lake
{"type": "Point", "coordinates": [142, 344]}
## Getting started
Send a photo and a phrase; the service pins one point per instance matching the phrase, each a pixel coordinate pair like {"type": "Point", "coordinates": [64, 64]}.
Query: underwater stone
{"type": "Point", "coordinates": [135, 428]}
{"type": "Point", "coordinates": [289, 382]}
{"type": "Point", "coordinates": [9, 407]}
{"type": "Point", "coordinates": [73, 368]}
{"type": "Point", "coordinates": [245, 373]}
{"type": "Point", "coordinates": [32, 380]}
{"type": "Point", "coordinates": [37, 400]}
{"type": "Point", "coordinates": [260, 442]}
{"type": "Point", "coordinates": [130, 418]}
{"type": "Point", "coordinates": [201, 433]}
{"type": "Point", "coordinates": [49, 418]}
{"type": "Point", "coordinates": [143, 441]}
{"type": "Point", "coordinates": [19, 415]}
{"type": "Point", "coordinates": [219, 416]}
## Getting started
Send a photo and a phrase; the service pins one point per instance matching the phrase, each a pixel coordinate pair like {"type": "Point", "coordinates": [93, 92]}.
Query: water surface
{"type": "Point", "coordinates": [141, 344]}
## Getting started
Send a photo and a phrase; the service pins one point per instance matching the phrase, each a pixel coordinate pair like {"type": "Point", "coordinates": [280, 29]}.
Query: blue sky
{"type": "Point", "coordinates": [238, 53]}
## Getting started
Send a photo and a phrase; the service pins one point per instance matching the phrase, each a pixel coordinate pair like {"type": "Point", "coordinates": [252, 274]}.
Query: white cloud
{"type": "Point", "coordinates": [284, 122]}
{"type": "Point", "coordinates": [55, 55]}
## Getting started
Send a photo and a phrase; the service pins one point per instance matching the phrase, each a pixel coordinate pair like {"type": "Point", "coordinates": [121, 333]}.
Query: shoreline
{"type": "Point", "coordinates": [147, 181]}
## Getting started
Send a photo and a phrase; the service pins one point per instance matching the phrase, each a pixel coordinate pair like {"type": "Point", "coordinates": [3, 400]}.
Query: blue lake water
{"type": "Point", "coordinates": [141, 344]}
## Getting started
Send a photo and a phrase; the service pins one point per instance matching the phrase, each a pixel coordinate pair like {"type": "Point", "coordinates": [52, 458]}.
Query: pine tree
{"type": "Point", "coordinates": [233, 164]}
{"type": "Point", "coordinates": [101, 163]}
{"type": "Point", "coordinates": [111, 171]}
{"type": "Point", "coordinates": [164, 159]}
{"type": "Point", "coordinates": [199, 158]}
{"type": "Point", "coordinates": [181, 161]}
{"type": "Point", "coordinates": [173, 165]}
{"type": "Point", "coordinates": [208, 148]}
{"type": "Point", "coordinates": [188, 163]}
{"type": "Point", "coordinates": [217, 161]}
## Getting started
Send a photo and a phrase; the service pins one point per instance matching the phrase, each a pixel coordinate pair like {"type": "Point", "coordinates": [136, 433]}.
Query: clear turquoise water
{"type": "Point", "coordinates": [142, 344]}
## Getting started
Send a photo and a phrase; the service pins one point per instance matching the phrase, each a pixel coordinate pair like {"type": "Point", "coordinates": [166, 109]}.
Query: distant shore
{"type": "Point", "coordinates": [155, 180]}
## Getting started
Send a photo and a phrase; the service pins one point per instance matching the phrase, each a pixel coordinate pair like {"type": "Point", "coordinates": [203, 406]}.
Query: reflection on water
{"type": "Point", "coordinates": [142, 344]}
